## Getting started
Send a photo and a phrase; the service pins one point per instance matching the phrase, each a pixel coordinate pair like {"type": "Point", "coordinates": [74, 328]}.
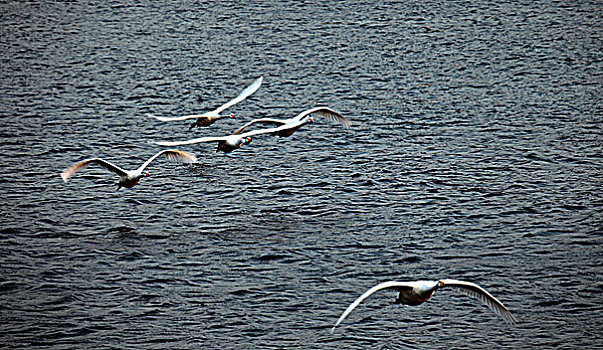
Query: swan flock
{"type": "Point", "coordinates": [410, 293]}
{"type": "Point", "coordinates": [226, 144]}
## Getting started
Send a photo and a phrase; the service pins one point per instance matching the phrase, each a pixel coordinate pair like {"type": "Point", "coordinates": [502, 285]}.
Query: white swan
{"type": "Point", "coordinates": [226, 144]}
{"type": "Point", "coordinates": [207, 119]}
{"type": "Point", "coordinates": [298, 121]}
{"type": "Point", "coordinates": [417, 292]}
{"type": "Point", "coordinates": [129, 178]}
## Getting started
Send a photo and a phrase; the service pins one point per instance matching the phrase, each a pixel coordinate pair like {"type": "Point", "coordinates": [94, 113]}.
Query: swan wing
{"type": "Point", "coordinates": [477, 292]}
{"type": "Point", "coordinates": [261, 132]}
{"type": "Point", "coordinates": [184, 117]}
{"type": "Point", "coordinates": [189, 142]}
{"type": "Point", "coordinates": [327, 113]}
{"type": "Point", "coordinates": [261, 121]}
{"type": "Point", "coordinates": [84, 163]}
{"type": "Point", "coordinates": [385, 285]}
{"type": "Point", "coordinates": [171, 154]}
{"type": "Point", "coordinates": [243, 95]}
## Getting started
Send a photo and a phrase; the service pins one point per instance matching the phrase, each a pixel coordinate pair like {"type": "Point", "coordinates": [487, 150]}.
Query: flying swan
{"type": "Point", "coordinates": [417, 292]}
{"type": "Point", "coordinates": [129, 178]}
{"type": "Point", "coordinates": [207, 119]}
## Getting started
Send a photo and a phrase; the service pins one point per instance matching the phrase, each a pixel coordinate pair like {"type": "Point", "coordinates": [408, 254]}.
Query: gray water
{"type": "Point", "coordinates": [475, 154]}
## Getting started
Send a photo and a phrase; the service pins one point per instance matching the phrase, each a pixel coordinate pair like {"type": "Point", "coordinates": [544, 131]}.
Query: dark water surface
{"type": "Point", "coordinates": [475, 154]}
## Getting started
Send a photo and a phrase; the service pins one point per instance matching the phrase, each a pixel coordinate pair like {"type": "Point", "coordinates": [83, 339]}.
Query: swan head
{"type": "Point", "coordinates": [243, 141]}
{"type": "Point", "coordinates": [146, 174]}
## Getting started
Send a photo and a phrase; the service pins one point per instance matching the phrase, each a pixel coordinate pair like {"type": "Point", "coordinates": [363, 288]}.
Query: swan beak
{"type": "Point", "coordinates": [441, 283]}
{"type": "Point", "coordinates": [311, 120]}
{"type": "Point", "coordinates": [147, 174]}
{"type": "Point", "coordinates": [232, 116]}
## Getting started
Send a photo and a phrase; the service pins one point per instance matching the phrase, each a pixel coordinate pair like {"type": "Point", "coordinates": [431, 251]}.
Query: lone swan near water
{"type": "Point", "coordinates": [417, 292]}
{"type": "Point", "coordinates": [129, 178]}
{"type": "Point", "coordinates": [207, 119]}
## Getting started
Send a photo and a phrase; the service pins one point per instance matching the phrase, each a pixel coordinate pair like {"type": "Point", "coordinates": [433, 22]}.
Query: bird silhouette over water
{"type": "Point", "coordinates": [129, 178]}
{"type": "Point", "coordinates": [417, 292]}
{"type": "Point", "coordinates": [208, 118]}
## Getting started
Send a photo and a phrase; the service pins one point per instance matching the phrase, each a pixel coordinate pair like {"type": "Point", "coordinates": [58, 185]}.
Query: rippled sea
{"type": "Point", "coordinates": [475, 153]}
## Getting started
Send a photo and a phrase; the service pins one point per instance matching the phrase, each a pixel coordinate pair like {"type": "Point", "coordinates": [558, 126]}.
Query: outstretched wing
{"type": "Point", "coordinates": [172, 154]}
{"type": "Point", "coordinates": [243, 95]}
{"type": "Point", "coordinates": [84, 163]}
{"type": "Point", "coordinates": [477, 292]}
{"type": "Point", "coordinates": [189, 142]}
{"type": "Point", "coordinates": [184, 117]}
{"type": "Point", "coordinates": [260, 132]}
{"type": "Point", "coordinates": [327, 113]}
{"type": "Point", "coordinates": [261, 121]}
{"type": "Point", "coordinates": [385, 285]}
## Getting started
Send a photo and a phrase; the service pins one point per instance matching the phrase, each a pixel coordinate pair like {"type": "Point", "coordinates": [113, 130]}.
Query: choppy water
{"type": "Point", "coordinates": [475, 154]}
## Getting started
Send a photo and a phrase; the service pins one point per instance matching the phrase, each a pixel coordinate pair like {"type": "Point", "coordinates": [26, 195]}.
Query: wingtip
{"type": "Point", "coordinates": [190, 158]}
{"type": "Point", "coordinates": [183, 156]}
{"type": "Point", "coordinates": [163, 119]}
{"type": "Point", "coordinates": [154, 116]}
{"type": "Point", "coordinates": [66, 174]}
{"type": "Point", "coordinates": [510, 319]}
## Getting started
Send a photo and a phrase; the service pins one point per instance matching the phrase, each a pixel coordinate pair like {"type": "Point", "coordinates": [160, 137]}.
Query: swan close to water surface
{"type": "Point", "coordinates": [286, 128]}
{"type": "Point", "coordinates": [129, 178]}
{"type": "Point", "coordinates": [300, 120]}
{"type": "Point", "coordinates": [207, 119]}
{"type": "Point", "coordinates": [226, 144]}
{"type": "Point", "coordinates": [417, 292]}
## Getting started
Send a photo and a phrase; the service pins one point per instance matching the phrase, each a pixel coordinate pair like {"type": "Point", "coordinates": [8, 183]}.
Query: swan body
{"type": "Point", "coordinates": [207, 119]}
{"type": "Point", "coordinates": [324, 112]}
{"type": "Point", "coordinates": [128, 178]}
{"type": "Point", "coordinates": [417, 292]}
